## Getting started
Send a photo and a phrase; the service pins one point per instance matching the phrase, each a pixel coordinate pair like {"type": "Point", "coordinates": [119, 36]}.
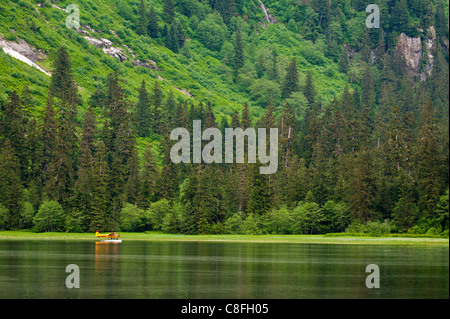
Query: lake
{"type": "Point", "coordinates": [216, 270]}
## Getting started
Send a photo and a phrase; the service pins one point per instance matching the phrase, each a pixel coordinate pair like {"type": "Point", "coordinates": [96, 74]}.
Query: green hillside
{"type": "Point", "coordinates": [362, 115]}
{"type": "Point", "coordinates": [206, 73]}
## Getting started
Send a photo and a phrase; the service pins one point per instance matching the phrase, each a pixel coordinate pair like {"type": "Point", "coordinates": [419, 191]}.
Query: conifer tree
{"type": "Point", "coordinates": [172, 41]}
{"type": "Point", "coordinates": [133, 185]}
{"type": "Point", "coordinates": [362, 187]}
{"type": "Point", "coordinates": [309, 90]}
{"type": "Point", "coordinates": [149, 175]}
{"type": "Point", "coordinates": [152, 27]}
{"type": "Point", "coordinates": [238, 60]}
{"type": "Point", "coordinates": [142, 22]}
{"type": "Point", "coordinates": [63, 94]}
{"type": "Point", "coordinates": [84, 186]}
{"type": "Point", "coordinates": [344, 62]}
{"type": "Point", "coordinates": [101, 195]}
{"type": "Point", "coordinates": [245, 117]}
{"type": "Point", "coordinates": [157, 114]}
{"type": "Point", "coordinates": [12, 128]}
{"type": "Point", "coordinates": [168, 11]}
{"type": "Point", "coordinates": [260, 198]}
{"type": "Point", "coordinates": [11, 186]}
{"type": "Point", "coordinates": [428, 162]}
{"type": "Point", "coordinates": [120, 148]}
{"type": "Point", "coordinates": [273, 71]}
{"type": "Point", "coordinates": [235, 122]}
{"type": "Point", "coordinates": [290, 83]}
{"type": "Point", "coordinates": [143, 112]}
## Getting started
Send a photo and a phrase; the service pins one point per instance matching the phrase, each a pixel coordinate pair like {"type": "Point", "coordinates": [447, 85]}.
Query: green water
{"type": "Point", "coordinates": [194, 270]}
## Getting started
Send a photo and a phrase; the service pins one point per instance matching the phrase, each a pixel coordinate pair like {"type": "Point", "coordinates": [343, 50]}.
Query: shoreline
{"type": "Point", "coordinates": [286, 239]}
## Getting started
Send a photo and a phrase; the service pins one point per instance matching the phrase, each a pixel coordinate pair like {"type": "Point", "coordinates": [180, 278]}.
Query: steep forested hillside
{"type": "Point", "coordinates": [362, 115]}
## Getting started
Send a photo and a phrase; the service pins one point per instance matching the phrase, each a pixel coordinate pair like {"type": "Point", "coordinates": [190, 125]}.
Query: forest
{"type": "Point", "coordinates": [363, 131]}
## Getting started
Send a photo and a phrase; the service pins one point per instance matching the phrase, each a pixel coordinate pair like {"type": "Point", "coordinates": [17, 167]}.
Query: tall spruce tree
{"type": "Point", "coordinates": [101, 195]}
{"type": "Point", "coordinates": [290, 83]}
{"type": "Point", "coordinates": [428, 162]}
{"type": "Point", "coordinates": [238, 59]}
{"type": "Point", "coordinates": [143, 112]}
{"type": "Point", "coordinates": [11, 188]}
{"type": "Point", "coordinates": [63, 94]}
{"type": "Point", "coordinates": [168, 11]}
{"type": "Point", "coordinates": [142, 22]}
{"type": "Point", "coordinates": [152, 19]}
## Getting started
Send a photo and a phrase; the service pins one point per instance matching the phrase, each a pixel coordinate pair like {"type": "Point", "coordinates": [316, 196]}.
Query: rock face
{"type": "Point", "coordinates": [414, 50]}
{"type": "Point", "coordinates": [107, 48]}
{"type": "Point", "coordinates": [24, 52]}
{"type": "Point", "coordinates": [22, 47]}
{"type": "Point", "coordinates": [147, 64]}
{"type": "Point", "coordinates": [267, 17]}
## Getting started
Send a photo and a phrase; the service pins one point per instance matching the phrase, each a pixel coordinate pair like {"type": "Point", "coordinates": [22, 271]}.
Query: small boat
{"type": "Point", "coordinates": [110, 238]}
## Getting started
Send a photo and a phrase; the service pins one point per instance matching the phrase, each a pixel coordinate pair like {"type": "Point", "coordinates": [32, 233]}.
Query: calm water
{"type": "Point", "coordinates": [142, 269]}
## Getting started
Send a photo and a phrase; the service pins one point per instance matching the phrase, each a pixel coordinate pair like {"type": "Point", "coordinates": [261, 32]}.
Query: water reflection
{"type": "Point", "coordinates": [143, 269]}
{"type": "Point", "coordinates": [106, 257]}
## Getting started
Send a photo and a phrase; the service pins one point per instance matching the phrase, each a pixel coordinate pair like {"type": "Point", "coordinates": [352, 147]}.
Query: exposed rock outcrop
{"type": "Point", "coordinates": [414, 50]}
{"type": "Point", "coordinates": [270, 19]}
{"type": "Point", "coordinates": [107, 48]}
{"type": "Point", "coordinates": [150, 64]}
{"type": "Point", "coordinates": [24, 52]}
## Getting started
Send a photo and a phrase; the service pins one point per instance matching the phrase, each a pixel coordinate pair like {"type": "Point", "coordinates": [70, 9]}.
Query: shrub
{"type": "Point", "coordinates": [50, 217]}
{"type": "Point", "coordinates": [373, 228]}
{"type": "Point", "coordinates": [157, 212]}
{"type": "Point", "coordinates": [212, 32]}
{"type": "Point", "coordinates": [232, 224]}
{"type": "Point", "coordinates": [173, 221]}
{"type": "Point", "coordinates": [307, 218]}
{"type": "Point", "coordinates": [132, 218]}
{"type": "Point", "coordinates": [26, 215]}
{"type": "Point", "coordinates": [279, 221]}
{"type": "Point", "coordinates": [251, 225]}
{"type": "Point", "coordinates": [377, 228]}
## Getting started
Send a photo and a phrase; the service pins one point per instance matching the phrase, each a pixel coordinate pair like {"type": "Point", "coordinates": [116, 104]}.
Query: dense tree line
{"type": "Point", "coordinates": [374, 157]}
{"type": "Point", "coordinates": [346, 162]}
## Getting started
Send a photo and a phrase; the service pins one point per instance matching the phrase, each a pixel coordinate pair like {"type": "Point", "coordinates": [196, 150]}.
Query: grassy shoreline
{"type": "Point", "coordinates": [292, 239]}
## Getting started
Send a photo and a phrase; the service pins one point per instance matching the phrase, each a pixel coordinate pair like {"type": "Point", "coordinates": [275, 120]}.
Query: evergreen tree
{"type": "Point", "coordinates": [362, 187]}
{"type": "Point", "coordinates": [180, 34]}
{"type": "Point", "coordinates": [309, 90]}
{"type": "Point", "coordinates": [101, 196]}
{"type": "Point", "coordinates": [133, 185]}
{"type": "Point", "coordinates": [157, 114]}
{"type": "Point", "coordinates": [400, 16]}
{"type": "Point", "coordinates": [142, 22]}
{"type": "Point", "coordinates": [84, 186]}
{"type": "Point", "coordinates": [273, 71]}
{"type": "Point", "coordinates": [238, 60]}
{"type": "Point", "coordinates": [245, 117]}
{"type": "Point", "coordinates": [11, 186]}
{"type": "Point", "coordinates": [428, 162]}
{"type": "Point", "coordinates": [290, 83]}
{"type": "Point", "coordinates": [172, 42]}
{"type": "Point", "coordinates": [64, 94]}
{"type": "Point", "coordinates": [344, 62]}
{"type": "Point", "coordinates": [441, 20]}
{"type": "Point", "coordinates": [152, 27]}
{"type": "Point", "coordinates": [148, 177]}
{"type": "Point", "coordinates": [12, 128]}
{"type": "Point", "coordinates": [120, 148]}
{"type": "Point", "coordinates": [168, 11]}
{"type": "Point", "coordinates": [260, 200]}
{"type": "Point", "coordinates": [143, 112]}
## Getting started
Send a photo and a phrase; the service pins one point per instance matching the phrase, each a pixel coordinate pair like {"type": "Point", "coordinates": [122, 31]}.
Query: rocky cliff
{"type": "Point", "coordinates": [418, 52]}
